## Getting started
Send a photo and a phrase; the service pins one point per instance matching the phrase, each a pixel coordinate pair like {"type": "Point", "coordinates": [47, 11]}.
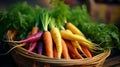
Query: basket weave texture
{"type": "Point", "coordinates": [23, 58]}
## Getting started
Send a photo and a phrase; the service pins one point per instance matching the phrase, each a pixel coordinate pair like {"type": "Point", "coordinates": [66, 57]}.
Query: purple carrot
{"type": "Point", "coordinates": [32, 46]}
{"type": "Point", "coordinates": [40, 47]}
{"type": "Point", "coordinates": [32, 38]}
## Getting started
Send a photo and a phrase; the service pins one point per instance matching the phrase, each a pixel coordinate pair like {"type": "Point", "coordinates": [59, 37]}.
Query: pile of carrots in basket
{"type": "Point", "coordinates": [57, 40]}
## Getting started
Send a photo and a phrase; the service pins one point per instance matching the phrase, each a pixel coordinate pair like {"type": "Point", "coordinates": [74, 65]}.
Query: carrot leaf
{"type": "Point", "coordinates": [45, 19]}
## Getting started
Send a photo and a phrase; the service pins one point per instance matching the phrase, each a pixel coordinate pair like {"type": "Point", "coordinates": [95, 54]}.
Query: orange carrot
{"type": "Point", "coordinates": [74, 37]}
{"type": "Point", "coordinates": [73, 51]}
{"type": "Point", "coordinates": [47, 38]}
{"type": "Point", "coordinates": [34, 30]}
{"type": "Point", "coordinates": [65, 50]}
{"type": "Point", "coordinates": [55, 52]}
{"type": "Point", "coordinates": [87, 52]}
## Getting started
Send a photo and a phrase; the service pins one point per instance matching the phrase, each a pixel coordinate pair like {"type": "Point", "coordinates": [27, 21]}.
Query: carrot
{"type": "Point", "coordinates": [35, 29]}
{"type": "Point", "coordinates": [80, 39]}
{"type": "Point", "coordinates": [73, 51]}
{"type": "Point", "coordinates": [84, 50]}
{"type": "Point", "coordinates": [57, 39]}
{"type": "Point", "coordinates": [56, 36]}
{"type": "Point", "coordinates": [40, 47]}
{"type": "Point", "coordinates": [77, 45]}
{"type": "Point", "coordinates": [65, 50]}
{"type": "Point", "coordinates": [32, 38]}
{"type": "Point", "coordinates": [33, 44]}
{"type": "Point", "coordinates": [55, 53]}
{"type": "Point", "coordinates": [74, 29]}
{"type": "Point", "coordinates": [87, 53]}
{"type": "Point", "coordinates": [28, 44]}
{"type": "Point", "coordinates": [47, 38]}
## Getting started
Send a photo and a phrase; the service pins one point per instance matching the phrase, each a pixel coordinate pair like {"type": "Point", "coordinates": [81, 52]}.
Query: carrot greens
{"type": "Point", "coordinates": [45, 18]}
{"type": "Point", "coordinates": [20, 17]}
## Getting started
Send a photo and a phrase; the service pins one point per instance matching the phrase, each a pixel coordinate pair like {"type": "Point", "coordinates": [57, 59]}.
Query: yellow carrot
{"type": "Point", "coordinates": [80, 39]}
{"type": "Point", "coordinates": [82, 48]}
{"type": "Point", "coordinates": [57, 39]}
{"type": "Point", "coordinates": [75, 43]}
{"type": "Point", "coordinates": [74, 29]}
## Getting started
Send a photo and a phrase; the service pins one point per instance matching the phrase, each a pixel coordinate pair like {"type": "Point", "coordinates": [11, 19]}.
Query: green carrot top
{"type": "Point", "coordinates": [45, 19]}
{"type": "Point", "coordinates": [60, 12]}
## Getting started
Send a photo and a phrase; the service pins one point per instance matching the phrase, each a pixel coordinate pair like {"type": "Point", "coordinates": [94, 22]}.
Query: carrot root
{"type": "Point", "coordinates": [86, 52]}
{"type": "Point", "coordinates": [32, 46]}
{"type": "Point", "coordinates": [47, 38]}
{"type": "Point", "coordinates": [65, 50]}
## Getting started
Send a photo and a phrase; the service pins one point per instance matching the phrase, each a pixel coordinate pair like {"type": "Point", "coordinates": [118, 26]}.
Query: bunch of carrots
{"type": "Point", "coordinates": [57, 41]}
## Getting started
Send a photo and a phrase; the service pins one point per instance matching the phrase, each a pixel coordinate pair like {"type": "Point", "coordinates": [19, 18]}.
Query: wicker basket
{"type": "Point", "coordinates": [23, 58]}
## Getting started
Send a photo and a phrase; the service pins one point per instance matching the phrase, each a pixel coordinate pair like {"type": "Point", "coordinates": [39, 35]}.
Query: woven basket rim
{"type": "Point", "coordinates": [41, 58]}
